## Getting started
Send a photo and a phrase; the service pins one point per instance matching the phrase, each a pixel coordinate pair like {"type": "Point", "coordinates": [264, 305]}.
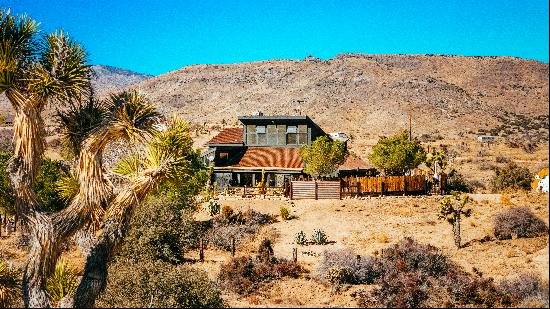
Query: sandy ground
{"type": "Point", "coordinates": [366, 226]}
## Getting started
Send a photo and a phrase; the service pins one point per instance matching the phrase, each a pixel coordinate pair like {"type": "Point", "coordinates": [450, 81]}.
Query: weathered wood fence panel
{"type": "Point", "coordinates": [381, 185]}
{"type": "Point", "coordinates": [315, 190]}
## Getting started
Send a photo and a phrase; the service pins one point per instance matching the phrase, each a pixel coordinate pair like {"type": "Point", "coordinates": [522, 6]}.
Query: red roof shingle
{"type": "Point", "coordinates": [353, 163]}
{"type": "Point", "coordinates": [228, 136]}
{"type": "Point", "coordinates": [281, 157]}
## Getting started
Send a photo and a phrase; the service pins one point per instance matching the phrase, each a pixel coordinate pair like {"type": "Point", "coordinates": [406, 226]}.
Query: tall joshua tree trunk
{"type": "Point", "coordinates": [22, 169]}
{"type": "Point", "coordinates": [94, 279]}
{"type": "Point", "coordinates": [47, 232]}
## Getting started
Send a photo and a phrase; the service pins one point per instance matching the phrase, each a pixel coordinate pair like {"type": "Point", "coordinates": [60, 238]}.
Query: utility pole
{"type": "Point", "coordinates": [410, 127]}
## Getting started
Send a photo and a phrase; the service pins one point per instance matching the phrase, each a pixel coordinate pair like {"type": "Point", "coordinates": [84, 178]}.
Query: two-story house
{"type": "Point", "coordinates": [268, 144]}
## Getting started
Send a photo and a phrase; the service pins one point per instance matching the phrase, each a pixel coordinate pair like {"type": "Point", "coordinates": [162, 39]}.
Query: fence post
{"type": "Point", "coordinates": [232, 246]}
{"type": "Point", "coordinates": [315, 186]}
{"type": "Point", "coordinates": [295, 255]}
{"type": "Point", "coordinates": [405, 185]}
{"type": "Point", "coordinates": [358, 257]}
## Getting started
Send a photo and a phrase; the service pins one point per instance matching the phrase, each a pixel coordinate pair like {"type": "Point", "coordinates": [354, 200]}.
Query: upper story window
{"type": "Point", "coordinates": [292, 129]}
{"type": "Point", "coordinates": [260, 129]}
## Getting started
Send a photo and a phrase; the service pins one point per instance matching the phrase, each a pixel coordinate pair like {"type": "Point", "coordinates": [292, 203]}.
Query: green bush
{"type": "Point", "coordinates": [511, 176]}
{"type": "Point", "coordinates": [213, 207]}
{"type": "Point", "coordinates": [62, 282]}
{"type": "Point", "coordinates": [161, 229]}
{"type": "Point", "coordinates": [45, 185]}
{"type": "Point", "coordinates": [285, 214]}
{"type": "Point", "coordinates": [156, 284]}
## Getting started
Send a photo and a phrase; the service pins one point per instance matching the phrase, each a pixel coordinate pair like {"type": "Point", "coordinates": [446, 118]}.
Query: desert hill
{"type": "Point", "coordinates": [104, 79]}
{"type": "Point", "coordinates": [366, 95]}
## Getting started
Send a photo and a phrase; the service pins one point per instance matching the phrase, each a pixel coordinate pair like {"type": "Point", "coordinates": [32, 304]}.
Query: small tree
{"type": "Point", "coordinates": [323, 157]}
{"type": "Point", "coordinates": [452, 209]}
{"type": "Point", "coordinates": [396, 154]}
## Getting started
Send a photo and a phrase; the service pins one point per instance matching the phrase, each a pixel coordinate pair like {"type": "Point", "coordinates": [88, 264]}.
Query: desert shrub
{"type": "Point", "coordinates": [398, 290]}
{"type": "Point", "coordinates": [319, 237]}
{"type": "Point", "coordinates": [243, 275]}
{"type": "Point", "coordinates": [466, 289]}
{"type": "Point", "coordinates": [418, 275]}
{"type": "Point", "coordinates": [153, 283]}
{"type": "Point", "coordinates": [476, 185]}
{"type": "Point", "coordinates": [285, 214]}
{"type": "Point", "coordinates": [212, 207]}
{"type": "Point", "coordinates": [300, 238]}
{"type": "Point", "coordinates": [411, 256]}
{"type": "Point", "coordinates": [62, 282]}
{"type": "Point", "coordinates": [485, 165]}
{"type": "Point", "coordinates": [502, 159]}
{"type": "Point", "coordinates": [525, 288]}
{"type": "Point", "coordinates": [238, 225]}
{"type": "Point", "coordinates": [456, 182]}
{"type": "Point", "coordinates": [10, 286]}
{"type": "Point", "coordinates": [161, 229]}
{"type": "Point", "coordinates": [227, 212]}
{"type": "Point", "coordinates": [520, 221]}
{"type": "Point", "coordinates": [344, 266]}
{"type": "Point", "coordinates": [511, 176]}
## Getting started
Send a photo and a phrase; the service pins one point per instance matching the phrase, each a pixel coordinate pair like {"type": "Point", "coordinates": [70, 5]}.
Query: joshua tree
{"type": "Point", "coordinates": [452, 210]}
{"type": "Point", "coordinates": [35, 71]}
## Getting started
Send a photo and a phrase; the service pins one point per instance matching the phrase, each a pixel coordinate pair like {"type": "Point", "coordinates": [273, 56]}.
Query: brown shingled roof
{"type": "Point", "coordinates": [281, 157]}
{"type": "Point", "coordinates": [353, 163]}
{"type": "Point", "coordinates": [228, 136]}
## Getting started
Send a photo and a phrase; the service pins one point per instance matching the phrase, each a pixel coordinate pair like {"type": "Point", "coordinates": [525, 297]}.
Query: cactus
{"type": "Point", "coordinates": [453, 213]}
{"type": "Point", "coordinates": [212, 207]}
{"type": "Point", "coordinates": [319, 237]}
{"type": "Point", "coordinates": [300, 238]}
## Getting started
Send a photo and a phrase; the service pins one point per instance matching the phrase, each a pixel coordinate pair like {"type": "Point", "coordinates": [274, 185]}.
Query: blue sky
{"type": "Point", "coordinates": [159, 37]}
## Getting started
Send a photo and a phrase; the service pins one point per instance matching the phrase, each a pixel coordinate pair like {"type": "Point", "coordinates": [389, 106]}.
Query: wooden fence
{"type": "Point", "coordinates": [384, 185]}
{"type": "Point", "coordinates": [315, 190]}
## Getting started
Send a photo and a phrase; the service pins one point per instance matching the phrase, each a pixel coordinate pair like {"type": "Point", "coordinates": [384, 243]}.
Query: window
{"type": "Point", "coordinates": [291, 129]}
{"type": "Point", "coordinates": [291, 138]}
{"type": "Point", "coordinates": [260, 129]}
